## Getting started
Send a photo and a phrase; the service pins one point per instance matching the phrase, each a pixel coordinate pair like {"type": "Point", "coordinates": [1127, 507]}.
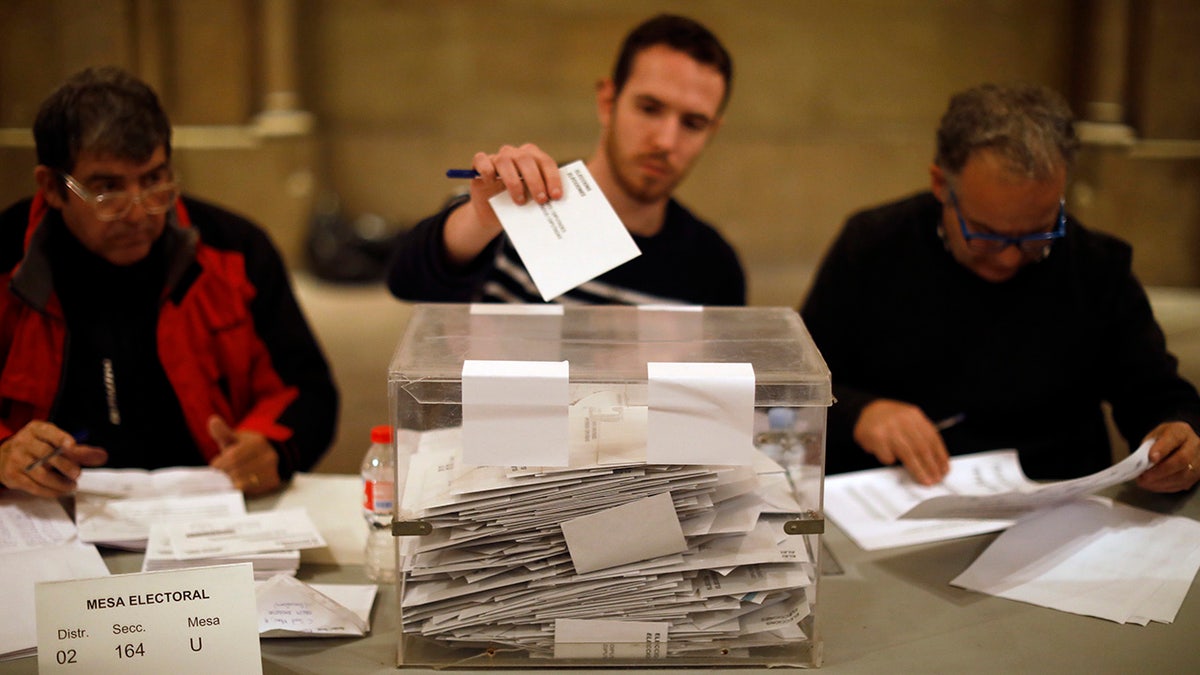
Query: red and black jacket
{"type": "Point", "coordinates": [231, 337]}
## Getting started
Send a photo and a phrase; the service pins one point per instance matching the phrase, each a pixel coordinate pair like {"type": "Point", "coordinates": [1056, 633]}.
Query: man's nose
{"type": "Point", "coordinates": [667, 133]}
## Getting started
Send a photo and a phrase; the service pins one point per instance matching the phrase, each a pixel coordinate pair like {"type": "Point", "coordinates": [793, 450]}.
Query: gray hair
{"type": "Point", "coordinates": [1030, 127]}
{"type": "Point", "coordinates": [104, 110]}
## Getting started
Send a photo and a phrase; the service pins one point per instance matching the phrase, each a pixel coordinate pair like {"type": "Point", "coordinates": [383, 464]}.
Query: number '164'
{"type": "Point", "coordinates": [128, 651]}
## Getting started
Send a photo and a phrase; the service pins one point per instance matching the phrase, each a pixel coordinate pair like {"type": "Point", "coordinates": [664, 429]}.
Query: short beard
{"type": "Point", "coordinates": [638, 192]}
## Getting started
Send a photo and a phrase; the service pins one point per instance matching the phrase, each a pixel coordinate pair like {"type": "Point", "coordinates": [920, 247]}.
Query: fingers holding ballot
{"type": "Point", "coordinates": [44, 460]}
{"type": "Point", "coordinates": [526, 172]}
{"type": "Point", "coordinates": [247, 457]}
{"type": "Point", "coordinates": [1176, 458]}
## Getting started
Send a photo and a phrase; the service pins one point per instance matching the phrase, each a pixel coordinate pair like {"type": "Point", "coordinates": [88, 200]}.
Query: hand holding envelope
{"type": "Point", "coordinates": [567, 241]}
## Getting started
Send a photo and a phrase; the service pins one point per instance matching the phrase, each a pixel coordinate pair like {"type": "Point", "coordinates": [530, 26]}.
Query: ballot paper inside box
{"type": "Point", "coordinates": [606, 486]}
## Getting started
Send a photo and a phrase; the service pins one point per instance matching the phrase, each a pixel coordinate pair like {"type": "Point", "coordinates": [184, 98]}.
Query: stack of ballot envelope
{"type": "Point", "coordinates": [270, 540]}
{"type": "Point", "coordinates": [549, 559]}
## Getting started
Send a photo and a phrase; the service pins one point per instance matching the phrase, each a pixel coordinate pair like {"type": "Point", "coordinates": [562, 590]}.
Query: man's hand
{"type": "Point", "coordinates": [56, 476]}
{"type": "Point", "coordinates": [898, 431]}
{"type": "Point", "coordinates": [525, 172]}
{"type": "Point", "coordinates": [1176, 458]}
{"type": "Point", "coordinates": [247, 457]}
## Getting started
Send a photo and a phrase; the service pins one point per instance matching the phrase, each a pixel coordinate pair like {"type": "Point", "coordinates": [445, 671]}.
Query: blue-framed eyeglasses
{"type": "Point", "coordinates": [1032, 245]}
{"type": "Point", "coordinates": [155, 199]}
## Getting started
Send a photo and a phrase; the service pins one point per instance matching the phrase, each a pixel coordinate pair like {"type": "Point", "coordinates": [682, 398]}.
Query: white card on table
{"type": "Point", "coordinates": [195, 621]}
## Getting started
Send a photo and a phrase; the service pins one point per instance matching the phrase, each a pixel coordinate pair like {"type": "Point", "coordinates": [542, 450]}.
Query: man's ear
{"type": "Point", "coordinates": [939, 184]}
{"type": "Point", "coordinates": [606, 99]}
{"type": "Point", "coordinates": [47, 181]}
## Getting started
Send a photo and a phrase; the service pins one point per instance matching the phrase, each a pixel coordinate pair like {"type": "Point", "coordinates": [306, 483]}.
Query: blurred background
{"type": "Point", "coordinates": [331, 122]}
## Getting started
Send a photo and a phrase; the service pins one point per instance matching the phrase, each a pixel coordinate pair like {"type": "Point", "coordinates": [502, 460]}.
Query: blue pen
{"type": "Point", "coordinates": [58, 450]}
{"type": "Point", "coordinates": [466, 173]}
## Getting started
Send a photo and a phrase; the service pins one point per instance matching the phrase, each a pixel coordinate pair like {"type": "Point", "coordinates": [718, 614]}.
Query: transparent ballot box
{"type": "Point", "coordinates": [608, 486]}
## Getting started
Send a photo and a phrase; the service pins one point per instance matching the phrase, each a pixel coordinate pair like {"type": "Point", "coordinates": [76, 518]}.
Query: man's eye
{"type": "Point", "coordinates": [695, 123]}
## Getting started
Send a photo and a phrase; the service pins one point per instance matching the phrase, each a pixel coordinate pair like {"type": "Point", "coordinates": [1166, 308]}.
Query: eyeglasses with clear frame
{"type": "Point", "coordinates": [1036, 245]}
{"type": "Point", "coordinates": [155, 199]}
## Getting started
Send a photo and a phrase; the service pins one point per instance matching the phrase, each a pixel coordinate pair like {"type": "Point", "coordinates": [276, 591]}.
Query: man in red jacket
{"type": "Point", "coordinates": [138, 327]}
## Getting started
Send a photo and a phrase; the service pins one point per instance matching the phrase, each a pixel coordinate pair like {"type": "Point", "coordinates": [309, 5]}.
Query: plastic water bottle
{"type": "Point", "coordinates": [779, 439]}
{"type": "Point", "coordinates": [379, 496]}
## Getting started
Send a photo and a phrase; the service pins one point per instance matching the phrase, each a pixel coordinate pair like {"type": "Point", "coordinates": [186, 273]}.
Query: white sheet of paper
{"type": "Point", "coordinates": [27, 521]}
{"type": "Point", "coordinates": [1024, 499]}
{"type": "Point", "coordinates": [334, 503]}
{"type": "Point", "coordinates": [568, 241]}
{"type": "Point", "coordinates": [1079, 557]}
{"type": "Point", "coordinates": [640, 530]}
{"type": "Point", "coordinates": [259, 532]}
{"type": "Point", "coordinates": [23, 569]}
{"type": "Point", "coordinates": [179, 480]}
{"type": "Point", "coordinates": [127, 521]}
{"type": "Point", "coordinates": [867, 505]}
{"type": "Point", "coordinates": [515, 413]}
{"type": "Point", "coordinates": [609, 639]}
{"type": "Point", "coordinates": [288, 607]}
{"type": "Point", "coordinates": [700, 413]}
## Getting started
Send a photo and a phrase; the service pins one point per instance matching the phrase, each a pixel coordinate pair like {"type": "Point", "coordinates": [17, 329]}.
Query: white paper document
{"type": "Point", "coordinates": [288, 607]}
{"type": "Point", "coordinates": [182, 480]}
{"type": "Point", "coordinates": [125, 523]}
{"type": "Point", "coordinates": [1030, 496]}
{"type": "Point", "coordinates": [22, 570]}
{"type": "Point", "coordinates": [27, 521]}
{"type": "Point", "coordinates": [567, 241]}
{"type": "Point", "coordinates": [515, 412]}
{"type": "Point", "coordinates": [260, 532]}
{"type": "Point", "coordinates": [867, 505]}
{"type": "Point", "coordinates": [1093, 557]}
{"type": "Point", "coordinates": [160, 556]}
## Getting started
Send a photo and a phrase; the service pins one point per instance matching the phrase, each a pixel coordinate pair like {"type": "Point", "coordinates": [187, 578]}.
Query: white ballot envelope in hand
{"type": "Point", "coordinates": [566, 241]}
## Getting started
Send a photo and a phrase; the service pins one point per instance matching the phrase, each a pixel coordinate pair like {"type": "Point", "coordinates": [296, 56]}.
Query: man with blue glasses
{"type": "Point", "coordinates": [142, 328]}
{"type": "Point", "coordinates": [979, 315]}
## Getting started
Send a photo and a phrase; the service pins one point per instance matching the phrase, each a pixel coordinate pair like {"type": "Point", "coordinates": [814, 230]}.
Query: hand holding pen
{"type": "Point", "coordinates": [896, 431]}
{"type": "Point", "coordinates": [526, 172]}
{"type": "Point", "coordinates": [44, 460]}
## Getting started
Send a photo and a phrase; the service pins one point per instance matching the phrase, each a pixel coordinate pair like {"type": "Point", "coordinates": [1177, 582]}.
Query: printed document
{"type": "Point", "coordinates": [567, 241]}
{"type": "Point", "coordinates": [125, 523]}
{"type": "Point", "coordinates": [260, 532]}
{"type": "Point", "coordinates": [27, 521]}
{"type": "Point", "coordinates": [1030, 496]}
{"type": "Point", "coordinates": [984, 492]}
{"type": "Point", "coordinates": [867, 505]}
{"type": "Point", "coordinates": [179, 480]}
{"type": "Point", "coordinates": [1093, 557]}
